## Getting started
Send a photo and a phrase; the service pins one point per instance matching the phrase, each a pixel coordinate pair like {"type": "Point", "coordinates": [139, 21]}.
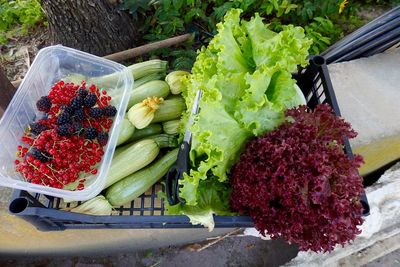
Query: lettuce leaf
{"type": "Point", "coordinates": [212, 199]}
{"type": "Point", "coordinates": [245, 76]}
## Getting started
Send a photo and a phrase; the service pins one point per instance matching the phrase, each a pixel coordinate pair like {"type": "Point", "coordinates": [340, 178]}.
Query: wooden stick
{"type": "Point", "coordinates": [137, 51]}
{"type": "Point", "coordinates": [218, 239]}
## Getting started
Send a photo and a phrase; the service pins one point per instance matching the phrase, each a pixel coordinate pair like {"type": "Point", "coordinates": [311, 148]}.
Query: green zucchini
{"type": "Point", "coordinates": [171, 127]}
{"type": "Point", "coordinates": [153, 88]}
{"type": "Point", "coordinates": [139, 182]}
{"type": "Point", "coordinates": [136, 156]}
{"type": "Point", "coordinates": [149, 78]}
{"type": "Point", "coordinates": [152, 129]}
{"type": "Point", "coordinates": [170, 109]}
{"type": "Point", "coordinates": [127, 130]}
{"type": "Point", "coordinates": [119, 149]}
{"type": "Point", "coordinates": [138, 71]}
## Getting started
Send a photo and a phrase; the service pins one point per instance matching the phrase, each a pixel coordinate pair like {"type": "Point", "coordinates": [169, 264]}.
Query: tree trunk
{"type": "Point", "coordinates": [94, 26]}
{"type": "Point", "coordinates": [6, 91]}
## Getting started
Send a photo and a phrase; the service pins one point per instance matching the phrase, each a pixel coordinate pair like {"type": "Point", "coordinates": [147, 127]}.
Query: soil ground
{"type": "Point", "coordinates": [231, 251]}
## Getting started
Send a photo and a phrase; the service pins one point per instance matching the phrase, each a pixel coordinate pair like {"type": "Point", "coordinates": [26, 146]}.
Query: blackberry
{"type": "Point", "coordinates": [44, 104]}
{"type": "Point", "coordinates": [82, 93]}
{"type": "Point", "coordinates": [65, 130]}
{"type": "Point", "coordinates": [77, 126]}
{"type": "Point", "coordinates": [90, 100]}
{"type": "Point", "coordinates": [36, 128]}
{"type": "Point", "coordinates": [79, 115]}
{"type": "Point", "coordinates": [95, 112]}
{"type": "Point", "coordinates": [63, 118]}
{"type": "Point", "coordinates": [67, 109]}
{"type": "Point", "coordinates": [90, 133]}
{"type": "Point", "coordinates": [76, 102]}
{"type": "Point", "coordinates": [102, 138]}
{"type": "Point", "coordinates": [37, 154]}
{"type": "Point", "coordinates": [109, 111]}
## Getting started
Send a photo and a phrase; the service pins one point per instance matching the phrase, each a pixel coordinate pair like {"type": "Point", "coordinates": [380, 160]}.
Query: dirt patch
{"type": "Point", "coordinates": [17, 55]}
{"type": "Point", "coordinates": [231, 251]}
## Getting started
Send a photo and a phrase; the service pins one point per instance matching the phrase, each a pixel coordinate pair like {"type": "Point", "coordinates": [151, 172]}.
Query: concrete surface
{"type": "Point", "coordinates": [367, 90]}
{"type": "Point", "coordinates": [389, 260]}
{"type": "Point", "coordinates": [231, 251]}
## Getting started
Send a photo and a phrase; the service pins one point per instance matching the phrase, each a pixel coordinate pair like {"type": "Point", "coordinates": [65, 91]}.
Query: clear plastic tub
{"type": "Point", "coordinates": [50, 65]}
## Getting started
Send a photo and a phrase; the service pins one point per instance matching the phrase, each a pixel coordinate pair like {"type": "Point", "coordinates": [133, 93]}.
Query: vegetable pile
{"type": "Point", "coordinates": [296, 182]}
{"type": "Point", "coordinates": [67, 144]}
{"type": "Point", "coordinates": [245, 76]}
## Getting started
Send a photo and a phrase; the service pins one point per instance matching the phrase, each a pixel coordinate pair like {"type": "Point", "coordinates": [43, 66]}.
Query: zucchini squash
{"type": "Point", "coordinates": [170, 109]}
{"type": "Point", "coordinates": [152, 129]}
{"type": "Point", "coordinates": [155, 109]}
{"type": "Point", "coordinates": [137, 156]}
{"type": "Point", "coordinates": [138, 71]}
{"type": "Point", "coordinates": [127, 130]}
{"type": "Point", "coordinates": [128, 188]}
{"type": "Point", "coordinates": [139, 182]}
{"type": "Point", "coordinates": [171, 127]}
{"type": "Point", "coordinates": [153, 88]}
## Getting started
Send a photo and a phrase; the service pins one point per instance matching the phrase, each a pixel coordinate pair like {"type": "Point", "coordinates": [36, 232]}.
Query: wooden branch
{"type": "Point", "coordinates": [7, 91]}
{"type": "Point", "coordinates": [140, 50]}
{"type": "Point", "coordinates": [218, 239]}
{"type": "Point", "coordinates": [137, 51]}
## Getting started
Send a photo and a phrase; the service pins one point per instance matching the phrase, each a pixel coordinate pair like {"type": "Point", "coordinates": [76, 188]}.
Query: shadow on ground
{"type": "Point", "coordinates": [232, 251]}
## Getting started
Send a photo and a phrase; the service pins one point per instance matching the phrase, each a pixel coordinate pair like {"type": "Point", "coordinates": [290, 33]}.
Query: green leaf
{"type": "Point", "coordinates": [212, 199]}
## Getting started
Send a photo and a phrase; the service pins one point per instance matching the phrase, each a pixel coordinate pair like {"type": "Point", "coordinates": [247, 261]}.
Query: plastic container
{"type": "Point", "coordinates": [50, 65]}
{"type": "Point", "coordinates": [147, 211]}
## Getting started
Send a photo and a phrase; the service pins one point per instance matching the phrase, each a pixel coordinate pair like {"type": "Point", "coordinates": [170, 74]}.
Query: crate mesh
{"type": "Point", "coordinates": [147, 204]}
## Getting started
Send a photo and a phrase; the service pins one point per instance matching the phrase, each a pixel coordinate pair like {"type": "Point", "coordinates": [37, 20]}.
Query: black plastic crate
{"type": "Point", "coordinates": [147, 211]}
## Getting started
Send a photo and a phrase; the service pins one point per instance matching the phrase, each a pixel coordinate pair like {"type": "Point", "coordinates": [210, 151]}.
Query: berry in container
{"type": "Point", "coordinates": [59, 132]}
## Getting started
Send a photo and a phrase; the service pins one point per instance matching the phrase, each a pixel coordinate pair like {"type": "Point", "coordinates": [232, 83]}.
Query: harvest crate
{"type": "Point", "coordinates": [147, 211]}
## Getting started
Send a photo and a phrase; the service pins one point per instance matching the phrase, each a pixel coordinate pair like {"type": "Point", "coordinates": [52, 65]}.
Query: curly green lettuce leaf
{"type": "Point", "coordinates": [216, 143]}
{"type": "Point", "coordinates": [286, 49]}
{"type": "Point", "coordinates": [270, 93]}
{"type": "Point", "coordinates": [212, 198]}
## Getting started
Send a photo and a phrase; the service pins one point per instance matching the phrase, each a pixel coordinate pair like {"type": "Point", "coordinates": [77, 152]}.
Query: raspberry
{"type": "Point", "coordinates": [95, 112]}
{"type": "Point", "coordinates": [79, 115]}
{"type": "Point", "coordinates": [63, 118]}
{"type": "Point", "coordinates": [90, 100]}
{"type": "Point", "coordinates": [76, 102]}
{"type": "Point", "coordinates": [82, 93]}
{"type": "Point", "coordinates": [44, 104]}
{"type": "Point", "coordinates": [102, 138]}
{"type": "Point", "coordinates": [37, 154]}
{"type": "Point", "coordinates": [36, 128]}
{"type": "Point", "coordinates": [109, 111]}
{"type": "Point", "coordinates": [65, 130]}
{"type": "Point", "coordinates": [91, 133]}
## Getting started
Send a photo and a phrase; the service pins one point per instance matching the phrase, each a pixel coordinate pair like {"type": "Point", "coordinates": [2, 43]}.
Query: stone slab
{"type": "Point", "coordinates": [368, 93]}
